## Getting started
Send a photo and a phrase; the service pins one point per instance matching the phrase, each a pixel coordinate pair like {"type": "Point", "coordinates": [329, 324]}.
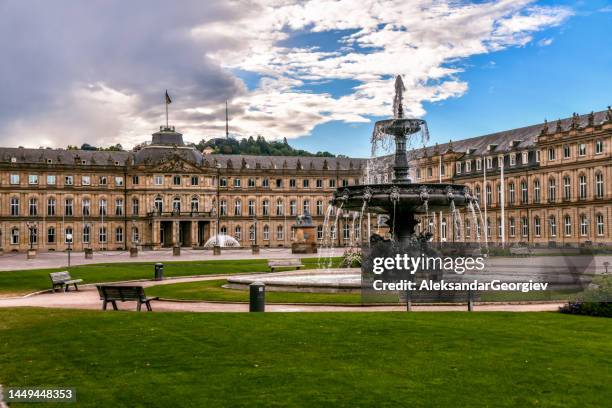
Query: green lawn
{"type": "Point", "coordinates": [212, 290]}
{"type": "Point", "coordinates": [310, 359]}
{"type": "Point", "coordinates": [27, 281]}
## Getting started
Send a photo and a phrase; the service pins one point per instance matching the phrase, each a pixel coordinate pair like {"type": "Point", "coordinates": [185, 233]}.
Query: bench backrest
{"type": "Point", "coordinates": [60, 277]}
{"type": "Point", "coordinates": [284, 262]}
{"type": "Point", "coordinates": [121, 292]}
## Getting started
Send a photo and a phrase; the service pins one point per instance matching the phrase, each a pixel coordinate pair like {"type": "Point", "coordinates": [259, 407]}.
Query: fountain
{"type": "Point", "coordinates": [402, 199]}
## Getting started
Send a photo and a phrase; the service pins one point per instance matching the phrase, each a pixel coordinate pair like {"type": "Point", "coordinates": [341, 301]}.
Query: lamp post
{"type": "Point", "coordinates": [32, 226]}
{"type": "Point", "coordinates": [69, 242]}
{"type": "Point", "coordinates": [255, 247]}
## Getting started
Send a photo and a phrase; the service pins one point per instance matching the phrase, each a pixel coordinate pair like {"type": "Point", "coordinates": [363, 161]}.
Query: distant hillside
{"type": "Point", "coordinates": [258, 146]}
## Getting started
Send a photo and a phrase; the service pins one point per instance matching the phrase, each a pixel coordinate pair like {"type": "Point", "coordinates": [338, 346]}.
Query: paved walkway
{"type": "Point", "coordinates": [87, 298]}
{"type": "Point", "coordinates": [16, 261]}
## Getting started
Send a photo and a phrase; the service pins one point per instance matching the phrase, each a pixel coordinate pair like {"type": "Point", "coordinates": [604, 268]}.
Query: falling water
{"type": "Point", "coordinates": [456, 219]}
{"type": "Point", "coordinates": [484, 226]}
{"type": "Point", "coordinates": [474, 220]}
{"type": "Point", "coordinates": [321, 251]}
{"type": "Point", "coordinates": [331, 239]}
{"type": "Point", "coordinates": [352, 231]}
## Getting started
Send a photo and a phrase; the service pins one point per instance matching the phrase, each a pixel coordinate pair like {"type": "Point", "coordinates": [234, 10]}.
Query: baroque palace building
{"type": "Point", "coordinates": [555, 189]}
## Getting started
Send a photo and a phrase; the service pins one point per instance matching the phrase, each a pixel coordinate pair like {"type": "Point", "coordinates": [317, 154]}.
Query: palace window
{"type": "Point", "coordinates": [265, 207]}
{"type": "Point", "coordinates": [525, 158]}
{"type": "Point", "coordinates": [51, 235]}
{"type": "Point", "coordinates": [68, 207]}
{"type": "Point", "coordinates": [14, 179]}
{"type": "Point", "coordinates": [102, 207]}
{"type": "Point", "coordinates": [306, 207]}
{"type": "Point", "coordinates": [599, 185]}
{"type": "Point", "coordinates": [135, 206]}
{"type": "Point", "coordinates": [477, 191]}
{"type": "Point", "coordinates": [238, 207]}
{"type": "Point", "coordinates": [251, 207]}
{"type": "Point", "coordinates": [293, 208]}
{"type": "Point", "coordinates": [176, 204]}
{"type": "Point", "coordinates": [499, 227]}
{"type": "Point", "coordinates": [332, 183]}
{"type": "Point", "coordinates": [551, 154]}
{"type": "Point", "coordinates": [599, 221]}
{"type": "Point", "coordinates": [524, 192]}
{"type": "Point", "coordinates": [223, 207]}
{"type": "Point", "coordinates": [567, 188]}
{"type": "Point", "coordinates": [552, 190]}
{"type": "Point", "coordinates": [33, 235]}
{"type": "Point", "coordinates": [176, 180]}
{"type": "Point", "coordinates": [536, 191]}
{"type": "Point", "coordinates": [537, 158]}
{"type": "Point", "coordinates": [86, 205]}
{"type": "Point", "coordinates": [306, 183]}
{"type": "Point", "coordinates": [511, 193]}
{"type": "Point", "coordinates": [524, 227]}
{"type": "Point", "coordinates": [346, 232]}
{"type": "Point", "coordinates": [501, 161]}
{"type": "Point", "coordinates": [488, 228]}
{"type": "Point", "coordinates": [15, 236]}
{"type": "Point", "coordinates": [103, 181]}
{"type": "Point", "coordinates": [119, 234]}
{"type": "Point", "coordinates": [135, 235]}
{"type": "Point", "coordinates": [499, 194]}
{"type": "Point", "coordinates": [582, 187]}
{"type": "Point", "coordinates": [158, 180]}
{"type": "Point", "coordinates": [319, 183]}
{"type": "Point", "coordinates": [584, 225]}
{"type": "Point", "coordinates": [458, 167]}
{"type": "Point", "coordinates": [566, 151]}
{"type": "Point", "coordinates": [345, 183]}
{"type": "Point", "coordinates": [279, 183]}
{"type": "Point", "coordinates": [489, 162]}
{"type": "Point", "coordinates": [135, 180]}
{"type": "Point", "coordinates": [319, 207]}
{"type": "Point", "coordinates": [537, 226]}
{"type": "Point", "coordinates": [86, 180]}
{"type": "Point", "coordinates": [552, 223]}
{"type": "Point", "coordinates": [119, 206]}
{"type": "Point", "coordinates": [512, 228]}
{"type": "Point", "coordinates": [582, 149]}
{"type": "Point", "coordinates": [279, 233]}
{"type": "Point", "coordinates": [158, 204]}
{"type": "Point", "coordinates": [195, 204]}
{"type": "Point", "coordinates": [252, 233]}
{"type": "Point", "coordinates": [86, 234]}
{"type": "Point", "coordinates": [292, 183]}
{"type": "Point", "coordinates": [69, 180]}
{"type": "Point", "coordinates": [51, 206]}
{"type": "Point", "coordinates": [33, 179]}
{"type": "Point", "coordinates": [478, 164]}
{"type": "Point", "coordinates": [14, 206]}
{"type": "Point", "coordinates": [599, 145]}
{"type": "Point", "coordinates": [567, 225]}
{"type": "Point", "coordinates": [265, 183]}
{"type": "Point", "coordinates": [223, 230]}
{"type": "Point", "coordinates": [51, 179]}
{"type": "Point", "coordinates": [251, 182]}
{"type": "Point", "coordinates": [68, 237]}
{"type": "Point", "coordinates": [468, 228]}
{"type": "Point", "coordinates": [102, 235]}
{"type": "Point", "coordinates": [266, 233]}
{"type": "Point", "coordinates": [33, 207]}
{"type": "Point", "coordinates": [279, 207]}
{"type": "Point", "coordinates": [237, 182]}
{"type": "Point", "coordinates": [513, 159]}
{"type": "Point", "coordinates": [489, 195]}
{"type": "Point", "coordinates": [195, 180]}
{"type": "Point", "coordinates": [319, 232]}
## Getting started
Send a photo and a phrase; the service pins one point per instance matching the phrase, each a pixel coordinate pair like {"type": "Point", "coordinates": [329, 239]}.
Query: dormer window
{"type": "Point", "coordinates": [525, 158]}
{"type": "Point", "coordinates": [489, 162]}
{"type": "Point", "coordinates": [478, 164]}
{"type": "Point", "coordinates": [468, 166]}
{"type": "Point", "coordinates": [513, 159]}
{"type": "Point", "coordinates": [13, 160]}
{"type": "Point", "coordinates": [49, 161]}
{"type": "Point", "coordinates": [458, 167]}
{"type": "Point", "coordinates": [551, 154]}
{"type": "Point", "coordinates": [500, 161]}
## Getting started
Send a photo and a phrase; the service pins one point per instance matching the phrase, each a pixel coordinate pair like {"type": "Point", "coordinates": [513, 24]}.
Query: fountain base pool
{"type": "Point", "coordinates": [346, 280]}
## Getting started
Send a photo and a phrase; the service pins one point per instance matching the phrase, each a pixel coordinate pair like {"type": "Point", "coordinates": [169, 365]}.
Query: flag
{"type": "Point", "coordinates": [168, 100]}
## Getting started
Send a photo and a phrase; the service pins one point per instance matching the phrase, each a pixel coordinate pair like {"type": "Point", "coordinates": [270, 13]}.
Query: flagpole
{"type": "Point", "coordinates": [166, 111]}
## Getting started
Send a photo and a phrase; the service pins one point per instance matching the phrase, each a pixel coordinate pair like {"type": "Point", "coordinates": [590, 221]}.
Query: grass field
{"type": "Point", "coordinates": [310, 359]}
{"type": "Point", "coordinates": [27, 281]}
{"type": "Point", "coordinates": [213, 290]}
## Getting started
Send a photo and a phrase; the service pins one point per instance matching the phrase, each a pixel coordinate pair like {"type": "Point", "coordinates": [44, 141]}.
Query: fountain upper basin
{"type": "Point", "coordinates": [412, 197]}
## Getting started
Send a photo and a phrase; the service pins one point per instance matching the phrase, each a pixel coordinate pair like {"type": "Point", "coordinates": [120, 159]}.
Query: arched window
{"type": "Point", "coordinates": [536, 191]}
{"type": "Point", "coordinates": [511, 193]}
{"type": "Point", "coordinates": [176, 204]}
{"type": "Point", "coordinates": [102, 206]}
{"type": "Point", "coordinates": [489, 228]}
{"type": "Point", "coordinates": [86, 207]}
{"type": "Point", "coordinates": [567, 225]}
{"type": "Point", "coordinates": [319, 232]}
{"type": "Point", "coordinates": [582, 185]}
{"type": "Point", "coordinates": [33, 232]}
{"type": "Point", "coordinates": [537, 226]}
{"type": "Point", "coordinates": [279, 233]}
{"type": "Point", "coordinates": [223, 207]}
{"type": "Point", "coordinates": [86, 234]}
{"type": "Point", "coordinates": [599, 222]}
{"type": "Point", "coordinates": [567, 188]}
{"type": "Point", "coordinates": [14, 206]}
{"type": "Point", "coordinates": [306, 207]}
{"type": "Point", "coordinates": [159, 204]}
{"type": "Point", "coordinates": [238, 207]}
{"type": "Point", "coordinates": [552, 189]}
{"type": "Point", "coordinates": [265, 207]}
{"type": "Point", "coordinates": [266, 233]}
{"type": "Point", "coordinates": [15, 236]}
{"type": "Point", "coordinates": [524, 227]}
{"type": "Point", "coordinates": [346, 231]}
{"type": "Point", "coordinates": [223, 230]}
{"type": "Point", "coordinates": [477, 192]}
{"type": "Point", "coordinates": [119, 206]}
{"type": "Point", "coordinates": [524, 192]}
{"type": "Point", "coordinates": [489, 195]}
{"type": "Point", "coordinates": [51, 235]}
{"type": "Point", "coordinates": [238, 232]}
{"type": "Point", "coordinates": [293, 207]}
{"type": "Point", "coordinates": [584, 226]}
{"type": "Point", "coordinates": [279, 207]}
{"type": "Point", "coordinates": [51, 206]}
{"type": "Point", "coordinates": [599, 185]}
{"type": "Point", "coordinates": [33, 207]}
{"type": "Point", "coordinates": [135, 206]}
{"type": "Point", "coordinates": [251, 207]}
{"type": "Point", "coordinates": [552, 224]}
{"type": "Point", "coordinates": [499, 228]}
{"type": "Point", "coordinates": [512, 227]}
{"type": "Point", "coordinates": [499, 194]}
{"type": "Point", "coordinates": [102, 235]}
{"type": "Point", "coordinates": [319, 207]}
{"type": "Point", "coordinates": [468, 228]}
{"type": "Point", "coordinates": [119, 234]}
{"type": "Point", "coordinates": [195, 204]}
{"type": "Point", "coordinates": [252, 233]}
{"type": "Point", "coordinates": [443, 230]}
{"type": "Point", "coordinates": [135, 235]}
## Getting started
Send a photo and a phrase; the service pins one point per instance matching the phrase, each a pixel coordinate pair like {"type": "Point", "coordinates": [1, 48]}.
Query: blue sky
{"type": "Point", "coordinates": [317, 72]}
{"type": "Point", "coordinates": [511, 88]}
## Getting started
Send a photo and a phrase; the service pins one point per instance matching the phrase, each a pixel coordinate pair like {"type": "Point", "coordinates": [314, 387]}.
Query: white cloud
{"type": "Point", "coordinates": [545, 42]}
{"type": "Point", "coordinates": [424, 40]}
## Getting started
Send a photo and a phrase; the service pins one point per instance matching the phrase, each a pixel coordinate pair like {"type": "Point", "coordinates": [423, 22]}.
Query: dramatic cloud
{"type": "Point", "coordinates": [95, 72]}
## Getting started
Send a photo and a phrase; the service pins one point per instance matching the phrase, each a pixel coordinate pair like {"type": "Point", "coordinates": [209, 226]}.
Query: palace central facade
{"type": "Point", "coordinates": [556, 189]}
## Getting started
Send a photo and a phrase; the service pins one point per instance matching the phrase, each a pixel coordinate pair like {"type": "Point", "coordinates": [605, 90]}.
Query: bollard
{"type": "Point", "coordinates": [88, 253]}
{"type": "Point", "coordinates": [255, 249]}
{"type": "Point", "coordinates": [159, 271]}
{"type": "Point", "coordinates": [408, 302]}
{"type": "Point", "coordinates": [176, 251]}
{"type": "Point", "coordinates": [470, 302]}
{"type": "Point", "coordinates": [133, 252]}
{"type": "Point", "coordinates": [216, 250]}
{"type": "Point", "coordinates": [257, 297]}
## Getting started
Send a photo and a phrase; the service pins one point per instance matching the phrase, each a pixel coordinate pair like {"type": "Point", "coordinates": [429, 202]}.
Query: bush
{"type": "Point", "coordinates": [351, 258]}
{"type": "Point", "coordinates": [601, 309]}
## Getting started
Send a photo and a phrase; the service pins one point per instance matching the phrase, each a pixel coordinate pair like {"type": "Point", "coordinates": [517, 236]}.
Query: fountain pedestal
{"type": "Point", "coordinates": [305, 236]}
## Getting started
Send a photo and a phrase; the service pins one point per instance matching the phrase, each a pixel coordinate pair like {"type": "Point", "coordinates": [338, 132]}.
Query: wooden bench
{"type": "Point", "coordinates": [284, 263]}
{"type": "Point", "coordinates": [112, 293]}
{"type": "Point", "coordinates": [63, 279]}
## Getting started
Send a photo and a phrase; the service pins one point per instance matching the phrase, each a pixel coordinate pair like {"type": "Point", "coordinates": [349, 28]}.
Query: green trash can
{"type": "Point", "coordinates": [159, 271]}
{"type": "Point", "coordinates": [257, 297]}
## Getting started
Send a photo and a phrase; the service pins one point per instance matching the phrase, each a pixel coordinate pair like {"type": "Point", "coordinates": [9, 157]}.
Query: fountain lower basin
{"type": "Point", "coordinates": [346, 280]}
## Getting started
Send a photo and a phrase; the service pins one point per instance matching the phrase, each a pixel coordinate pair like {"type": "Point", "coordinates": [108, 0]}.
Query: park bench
{"type": "Point", "coordinates": [524, 251]}
{"type": "Point", "coordinates": [63, 279]}
{"type": "Point", "coordinates": [284, 263]}
{"type": "Point", "coordinates": [113, 293]}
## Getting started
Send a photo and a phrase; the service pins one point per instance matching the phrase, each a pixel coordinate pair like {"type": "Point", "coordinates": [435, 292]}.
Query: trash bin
{"type": "Point", "coordinates": [159, 271]}
{"type": "Point", "coordinates": [257, 297]}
